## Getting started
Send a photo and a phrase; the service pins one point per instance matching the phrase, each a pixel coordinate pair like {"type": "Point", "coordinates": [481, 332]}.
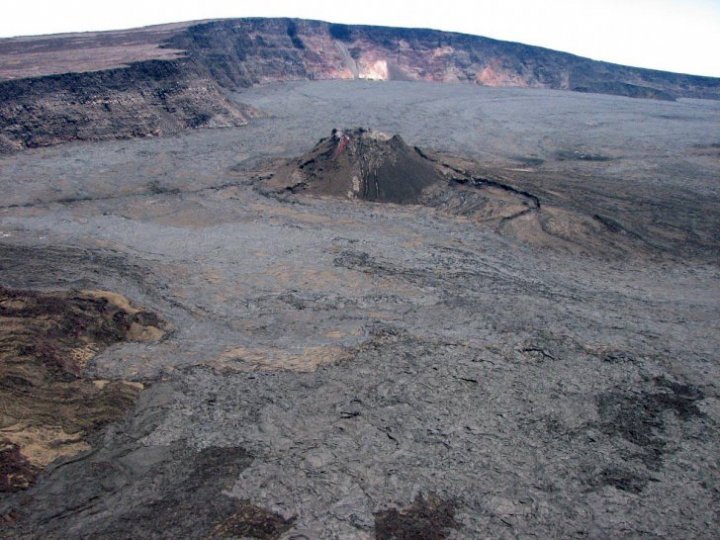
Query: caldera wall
{"type": "Point", "coordinates": [186, 70]}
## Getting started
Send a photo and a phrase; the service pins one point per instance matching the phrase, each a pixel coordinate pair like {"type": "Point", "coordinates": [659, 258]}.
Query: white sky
{"type": "Point", "coordinates": [674, 35]}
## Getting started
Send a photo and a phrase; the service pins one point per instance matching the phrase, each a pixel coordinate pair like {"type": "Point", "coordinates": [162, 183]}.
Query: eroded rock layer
{"type": "Point", "coordinates": [147, 99]}
{"type": "Point", "coordinates": [243, 52]}
{"type": "Point", "coordinates": [49, 410]}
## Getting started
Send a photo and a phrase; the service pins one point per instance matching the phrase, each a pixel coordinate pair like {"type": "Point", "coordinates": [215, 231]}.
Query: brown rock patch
{"type": "Point", "coordinates": [254, 522]}
{"type": "Point", "coordinates": [303, 359]}
{"type": "Point", "coordinates": [48, 410]}
{"type": "Point", "coordinates": [360, 164]}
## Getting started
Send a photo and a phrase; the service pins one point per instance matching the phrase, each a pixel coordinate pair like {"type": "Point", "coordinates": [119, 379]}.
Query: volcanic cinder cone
{"type": "Point", "coordinates": [363, 164]}
{"type": "Point", "coordinates": [372, 166]}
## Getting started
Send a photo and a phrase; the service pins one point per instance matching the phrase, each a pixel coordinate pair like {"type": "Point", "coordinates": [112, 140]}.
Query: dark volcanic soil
{"type": "Point", "coordinates": [525, 347]}
{"type": "Point", "coordinates": [429, 518]}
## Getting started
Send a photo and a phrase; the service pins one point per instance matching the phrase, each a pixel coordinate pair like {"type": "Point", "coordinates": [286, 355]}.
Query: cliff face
{"type": "Point", "coordinates": [174, 77]}
{"type": "Point", "coordinates": [146, 99]}
{"type": "Point", "coordinates": [250, 51]}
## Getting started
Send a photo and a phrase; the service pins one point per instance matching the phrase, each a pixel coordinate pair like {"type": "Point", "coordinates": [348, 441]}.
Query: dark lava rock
{"type": "Point", "coordinates": [132, 491]}
{"type": "Point", "coordinates": [368, 165]}
{"type": "Point", "coordinates": [252, 521]}
{"type": "Point", "coordinates": [361, 164]}
{"type": "Point", "coordinates": [424, 519]}
{"type": "Point", "coordinates": [147, 99]}
{"type": "Point", "coordinates": [620, 478]}
{"type": "Point", "coordinates": [618, 88]}
{"type": "Point", "coordinates": [16, 472]}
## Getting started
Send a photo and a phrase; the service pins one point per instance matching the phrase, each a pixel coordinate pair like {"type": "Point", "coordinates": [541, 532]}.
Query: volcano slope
{"type": "Point", "coordinates": [368, 165]}
{"type": "Point", "coordinates": [363, 164]}
{"type": "Point", "coordinates": [392, 364]}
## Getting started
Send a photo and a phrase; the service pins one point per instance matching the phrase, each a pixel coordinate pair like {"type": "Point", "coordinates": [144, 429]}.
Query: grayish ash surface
{"type": "Point", "coordinates": [334, 359]}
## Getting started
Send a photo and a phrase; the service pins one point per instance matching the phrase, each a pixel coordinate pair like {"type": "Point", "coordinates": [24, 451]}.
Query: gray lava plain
{"type": "Point", "coordinates": [351, 369]}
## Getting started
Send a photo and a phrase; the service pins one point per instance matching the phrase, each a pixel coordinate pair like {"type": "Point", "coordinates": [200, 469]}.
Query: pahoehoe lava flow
{"type": "Point", "coordinates": [489, 312]}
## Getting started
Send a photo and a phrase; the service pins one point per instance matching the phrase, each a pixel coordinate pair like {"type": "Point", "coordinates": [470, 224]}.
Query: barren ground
{"type": "Point", "coordinates": [345, 369]}
{"type": "Point", "coordinates": [35, 56]}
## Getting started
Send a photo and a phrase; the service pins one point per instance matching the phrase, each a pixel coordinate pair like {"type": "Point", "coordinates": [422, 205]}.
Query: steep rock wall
{"type": "Point", "coordinates": [146, 99]}
{"type": "Point", "coordinates": [243, 52]}
{"type": "Point", "coordinates": [185, 86]}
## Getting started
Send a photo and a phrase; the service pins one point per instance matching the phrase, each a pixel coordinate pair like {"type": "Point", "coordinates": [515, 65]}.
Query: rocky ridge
{"type": "Point", "coordinates": [146, 99]}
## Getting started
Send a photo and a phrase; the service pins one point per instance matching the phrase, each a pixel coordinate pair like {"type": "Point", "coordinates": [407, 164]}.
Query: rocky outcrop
{"type": "Point", "coordinates": [363, 164]}
{"type": "Point", "coordinates": [147, 99]}
{"type": "Point", "coordinates": [623, 89]}
{"type": "Point", "coordinates": [430, 518]}
{"type": "Point", "coordinates": [49, 409]}
{"type": "Point", "coordinates": [369, 165]}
